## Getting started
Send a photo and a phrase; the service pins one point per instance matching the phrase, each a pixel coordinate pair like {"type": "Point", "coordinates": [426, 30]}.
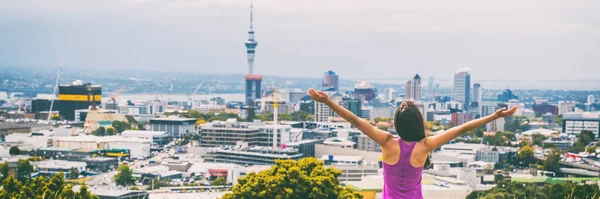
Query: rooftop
{"type": "Point", "coordinates": [91, 138]}
{"type": "Point", "coordinates": [172, 119]}
{"type": "Point", "coordinates": [344, 158]}
{"type": "Point", "coordinates": [60, 164]}
{"type": "Point", "coordinates": [140, 132]}
{"type": "Point", "coordinates": [582, 116]}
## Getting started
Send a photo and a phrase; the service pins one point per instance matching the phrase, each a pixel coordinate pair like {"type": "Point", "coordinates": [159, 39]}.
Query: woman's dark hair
{"type": "Point", "coordinates": [410, 125]}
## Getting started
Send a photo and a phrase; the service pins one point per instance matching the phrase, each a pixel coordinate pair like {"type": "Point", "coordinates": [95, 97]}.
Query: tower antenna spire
{"type": "Point", "coordinates": [251, 14]}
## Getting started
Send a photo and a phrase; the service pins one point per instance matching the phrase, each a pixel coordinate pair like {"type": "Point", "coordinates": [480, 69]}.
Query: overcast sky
{"type": "Point", "coordinates": [525, 42]}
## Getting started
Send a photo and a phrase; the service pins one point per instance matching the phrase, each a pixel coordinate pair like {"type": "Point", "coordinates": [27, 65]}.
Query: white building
{"type": "Point", "coordinates": [574, 123]}
{"type": "Point", "coordinates": [339, 142]}
{"type": "Point", "coordinates": [157, 137]}
{"type": "Point", "coordinates": [138, 148]}
{"type": "Point", "coordinates": [453, 105]}
{"type": "Point", "coordinates": [322, 112]}
{"type": "Point", "coordinates": [463, 148]}
{"type": "Point", "coordinates": [177, 127]}
{"type": "Point", "coordinates": [477, 93]}
{"type": "Point", "coordinates": [461, 91]}
{"type": "Point", "coordinates": [367, 144]}
{"type": "Point", "coordinates": [591, 99]}
{"type": "Point", "coordinates": [496, 125]}
{"type": "Point", "coordinates": [50, 167]}
{"type": "Point", "coordinates": [413, 88]}
{"type": "Point", "coordinates": [566, 107]}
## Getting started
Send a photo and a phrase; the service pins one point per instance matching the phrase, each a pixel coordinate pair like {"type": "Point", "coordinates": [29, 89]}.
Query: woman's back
{"type": "Point", "coordinates": [402, 180]}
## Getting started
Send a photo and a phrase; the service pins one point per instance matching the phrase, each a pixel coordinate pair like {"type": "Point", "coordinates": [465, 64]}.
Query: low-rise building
{"type": "Point", "coordinates": [367, 144]}
{"type": "Point", "coordinates": [175, 126]}
{"type": "Point", "coordinates": [102, 164]}
{"type": "Point", "coordinates": [574, 122]}
{"type": "Point", "coordinates": [51, 167]}
{"type": "Point", "coordinates": [339, 142]}
{"type": "Point", "coordinates": [306, 147]}
{"type": "Point", "coordinates": [157, 137]}
{"type": "Point", "coordinates": [251, 156]}
{"type": "Point", "coordinates": [138, 148]}
{"type": "Point", "coordinates": [225, 133]}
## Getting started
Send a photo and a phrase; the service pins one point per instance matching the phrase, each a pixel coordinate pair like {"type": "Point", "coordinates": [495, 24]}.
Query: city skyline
{"type": "Point", "coordinates": [196, 36]}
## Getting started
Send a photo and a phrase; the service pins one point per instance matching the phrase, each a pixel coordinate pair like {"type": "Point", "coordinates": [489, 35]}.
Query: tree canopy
{"type": "Point", "coordinates": [552, 161]}
{"type": "Point", "coordinates": [120, 126]}
{"type": "Point", "coordinates": [40, 187]}
{"type": "Point", "coordinates": [124, 176]}
{"type": "Point", "coordinates": [304, 179]}
{"type": "Point", "coordinates": [101, 131]}
{"type": "Point", "coordinates": [14, 150]}
{"type": "Point", "coordinates": [526, 155]}
{"type": "Point", "coordinates": [219, 181]}
{"type": "Point", "coordinates": [507, 189]}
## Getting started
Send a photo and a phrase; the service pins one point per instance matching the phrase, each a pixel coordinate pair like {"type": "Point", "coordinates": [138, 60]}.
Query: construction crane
{"type": "Point", "coordinates": [114, 96]}
{"type": "Point", "coordinates": [62, 61]}
{"type": "Point", "coordinates": [171, 90]}
{"type": "Point", "coordinates": [275, 114]}
{"type": "Point", "coordinates": [196, 91]}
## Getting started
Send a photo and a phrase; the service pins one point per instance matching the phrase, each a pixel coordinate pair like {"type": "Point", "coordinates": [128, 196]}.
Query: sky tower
{"type": "Point", "coordinates": [253, 81]}
{"type": "Point", "coordinates": [251, 45]}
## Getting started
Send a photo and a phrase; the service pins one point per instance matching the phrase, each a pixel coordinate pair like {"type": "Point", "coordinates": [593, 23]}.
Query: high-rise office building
{"type": "Point", "coordinates": [364, 91]}
{"type": "Point", "coordinates": [353, 105]}
{"type": "Point", "coordinates": [431, 84]}
{"type": "Point", "coordinates": [413, 88]}
{"type": "Point", "coordinates": [506, 96]}
{"type": "Point", "coordinates": [477, 93]}
{"type": "Point", "coordinates": [330, 81]}
{"type": "Point", "coordinates": [322, 112]}
{"type": "Point", "coordinates": [76, 96]}
{"type": "Point", "coordinates": [253, 81]}
{"type": "Point", "coordinates": [462, 87]}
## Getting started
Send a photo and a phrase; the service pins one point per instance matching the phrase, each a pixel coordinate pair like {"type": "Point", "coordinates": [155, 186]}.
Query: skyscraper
{"type": "Point", "coordinates": [413, 88]}
{"type": "Point", "coordinates": [77, 96]}
{"type": "Point", "coordinates": [253, 81]}
{"type": "Point", "coordinates": [461, 91]}
{"type": "Point", "coordinates": [431, 83]}
{"type": "Point", "coordinates": [330, 81]}
{"type": "Point", "coordinates": [477, 93]}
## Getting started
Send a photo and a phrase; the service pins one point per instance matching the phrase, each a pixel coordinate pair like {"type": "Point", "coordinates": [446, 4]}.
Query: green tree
{"type": "Point", "coordinates": [124, 176]}
{"type": "Point", "coordinates": [552, 162]}
{"type": "Point", "coordinates": [216, 118]}
{"type": "Point", "coordinates": [301, 116]}
{"type": "Point", "coordinates": [111, 131]}
{"type": "Point", "coordinates": [526, 155]}
{"type": "Point", "coordinates": [304, 179]}
{"type": "Point", "coordinates": [74, 173]}
{"type": "Point", "coordinates": [43, 188]}
{"type": "Point", "coordinates": [55, 118]}
{"type": "Point", "coordinates": [14, 150]}
{"type": "Point", "coordinates": [99, 132]}
{"type": "Point", "coordinates": [591, 149]}
{"type": "Point", "coordinates": [586, 137]}
{"type": "Point", "coordinates": [577, 147]}
{"type": "Point", "coordinates": [196, 137]}
{"type": "Point", "coordinates": [120, 126]}
{"type": "Point", "coordinates": [24, 170]}
{"type": "Point", "coordinates": [538, 139]}
{"type": "Point", "coordinates": [219, 181]}
{"type": "Point", "coordinates": [507, 189]}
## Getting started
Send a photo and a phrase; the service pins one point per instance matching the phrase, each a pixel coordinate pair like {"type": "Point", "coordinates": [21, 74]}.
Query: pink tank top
{"type": "Point", "coordinates": [402, 180]}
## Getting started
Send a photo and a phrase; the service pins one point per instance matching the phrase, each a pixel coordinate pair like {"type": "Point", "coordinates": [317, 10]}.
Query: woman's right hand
{"type": "Point", "coordinates": [505, 113]}
{"type": "Point", "coordinates": [318, 96]}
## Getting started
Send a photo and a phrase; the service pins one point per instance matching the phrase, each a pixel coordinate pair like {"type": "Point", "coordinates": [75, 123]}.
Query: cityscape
{"type": "Point", "coordinates": [124, 134]}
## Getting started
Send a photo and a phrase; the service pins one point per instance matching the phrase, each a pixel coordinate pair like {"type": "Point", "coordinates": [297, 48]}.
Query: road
{"type": "Point", "coordinates": [107, 179]}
